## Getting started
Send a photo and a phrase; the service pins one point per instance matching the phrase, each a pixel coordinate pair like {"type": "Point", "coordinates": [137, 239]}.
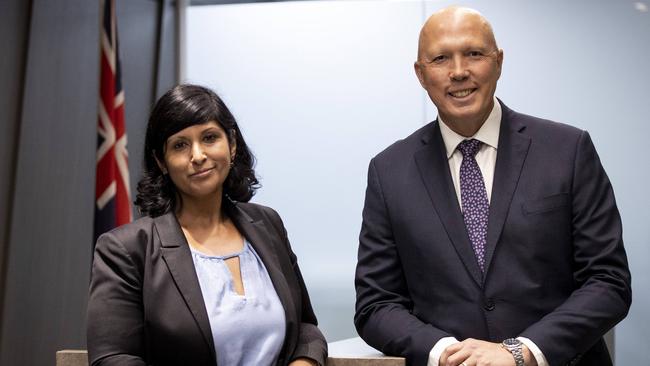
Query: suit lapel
{"type": "Point", "coordinates": [511, 154]}
{"type": "Point", "coordinates": [176, 254]}
{"type": "Point", "coordinates": [255, 231]}
{"type": "Point", "coordinates": [434, 170]}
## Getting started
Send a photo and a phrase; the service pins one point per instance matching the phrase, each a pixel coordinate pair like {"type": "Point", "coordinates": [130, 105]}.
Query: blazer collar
{"type": "Point", "coordinates": [511, 155]}
{"type": "Point", "coordinates": [176, 254]}
{"type": "Point", "coordinates": [257, 234]}
{"type": "Point", "coordinates": [433, 165]}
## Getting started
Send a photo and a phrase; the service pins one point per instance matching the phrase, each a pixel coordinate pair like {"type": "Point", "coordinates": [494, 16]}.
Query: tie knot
{"type": "Point", "coordinates": [469, 148]}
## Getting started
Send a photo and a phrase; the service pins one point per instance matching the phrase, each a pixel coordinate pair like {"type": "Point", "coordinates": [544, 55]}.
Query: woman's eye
{"type": "Point", "coordinates": [211, 137]}
{"type": "Point", "coordinates": [179, 145]}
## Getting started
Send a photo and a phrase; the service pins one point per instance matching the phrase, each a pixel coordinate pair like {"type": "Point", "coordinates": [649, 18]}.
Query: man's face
{"type": "Point", "coordinates": [459, 65]}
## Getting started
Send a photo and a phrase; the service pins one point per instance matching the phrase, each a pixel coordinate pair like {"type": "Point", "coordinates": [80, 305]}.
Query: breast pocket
{"type": "Point", "coordinates": [545, 204]}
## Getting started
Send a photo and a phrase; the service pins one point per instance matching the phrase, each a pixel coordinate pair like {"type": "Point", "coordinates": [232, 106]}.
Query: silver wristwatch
{"type": "Point", "coordinates": [514, 346]}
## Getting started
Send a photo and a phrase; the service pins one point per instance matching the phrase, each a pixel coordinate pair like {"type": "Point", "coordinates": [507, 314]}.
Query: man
{"type": "Point", "coordinates": [488, 236]}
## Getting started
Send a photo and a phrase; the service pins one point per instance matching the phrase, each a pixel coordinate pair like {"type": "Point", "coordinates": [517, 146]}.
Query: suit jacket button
{"type": "Point", "coordinates": [489, 305]}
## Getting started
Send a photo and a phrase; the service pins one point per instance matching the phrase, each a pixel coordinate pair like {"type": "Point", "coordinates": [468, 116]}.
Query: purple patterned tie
{"type": "Point", "coordinates": [474, 199]}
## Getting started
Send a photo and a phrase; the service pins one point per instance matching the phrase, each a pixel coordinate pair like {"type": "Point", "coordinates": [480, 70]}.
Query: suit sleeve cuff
{"type": "Point", "coordinates": [537, 353]}
{"type": "Point", "coordinates": [438, 348]}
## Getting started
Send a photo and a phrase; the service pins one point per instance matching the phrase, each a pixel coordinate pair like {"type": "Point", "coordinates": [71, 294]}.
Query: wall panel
{"type": "Point", "coordinates": [48, 262]}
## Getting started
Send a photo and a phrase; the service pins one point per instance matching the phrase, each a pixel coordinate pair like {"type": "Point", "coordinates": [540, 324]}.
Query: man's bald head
{"type": "Point", "coordinates": [459, 65]}
{"type": "Point", "coordinates": [450, 18]}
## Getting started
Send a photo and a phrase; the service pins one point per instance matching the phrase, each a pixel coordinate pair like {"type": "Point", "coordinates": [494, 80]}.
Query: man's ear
{"type": "Point", "coordinates": [500, 59]}
{"type": "Point", "coordinates": [418, 72]}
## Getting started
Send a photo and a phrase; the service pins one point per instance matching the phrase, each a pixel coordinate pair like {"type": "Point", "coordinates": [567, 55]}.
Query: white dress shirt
{"type": "Point", "coordinates": [486, 158]}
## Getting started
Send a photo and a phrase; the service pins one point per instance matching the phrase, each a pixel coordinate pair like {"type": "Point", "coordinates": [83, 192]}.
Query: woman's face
{"type": "Point", "coordinates": [197, 160]}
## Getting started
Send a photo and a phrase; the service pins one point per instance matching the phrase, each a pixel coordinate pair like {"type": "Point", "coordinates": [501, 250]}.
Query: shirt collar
{"type": "Point", "coordinates": [487, 134]}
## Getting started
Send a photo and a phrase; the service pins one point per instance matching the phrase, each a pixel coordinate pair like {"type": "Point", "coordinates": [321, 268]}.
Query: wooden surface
{"type": "Point", "coordinates": [348, 352]}
{"type": "Point", "coordinates": [355, 352]}
{"type": "Point", "coordinates": [72, 358]}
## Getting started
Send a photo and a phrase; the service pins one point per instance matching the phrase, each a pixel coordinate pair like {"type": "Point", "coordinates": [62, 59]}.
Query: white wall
{"type": "Point", "coordinates": [320, 87]}
{"type": "Point", "coordinates": [317, 95]}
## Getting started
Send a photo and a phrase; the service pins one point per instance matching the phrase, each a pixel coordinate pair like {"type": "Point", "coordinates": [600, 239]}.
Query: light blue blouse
{"type": "Point", "coordinates": [249, 329]}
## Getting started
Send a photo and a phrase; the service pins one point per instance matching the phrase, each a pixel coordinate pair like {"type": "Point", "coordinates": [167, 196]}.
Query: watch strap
{"type": "Point", "coordinates": [514, 346]}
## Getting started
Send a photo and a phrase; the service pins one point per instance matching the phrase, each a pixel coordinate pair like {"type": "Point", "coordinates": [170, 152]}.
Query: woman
{"type": "Point", "coordinates": [204, 277]}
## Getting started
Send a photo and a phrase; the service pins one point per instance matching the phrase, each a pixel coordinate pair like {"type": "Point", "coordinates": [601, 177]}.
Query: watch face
{"type": "Point", "coordinates": [511, 342]}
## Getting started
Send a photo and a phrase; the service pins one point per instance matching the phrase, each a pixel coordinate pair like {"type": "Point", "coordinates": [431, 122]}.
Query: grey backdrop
{"type": "Point", "coordinates": [48, 96]}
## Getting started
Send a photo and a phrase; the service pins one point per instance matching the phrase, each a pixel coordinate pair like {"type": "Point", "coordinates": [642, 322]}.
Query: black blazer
{"type": "Point", "coordinates": [556, 270]}
{"type": "Point", "coordinates": [146, 306]}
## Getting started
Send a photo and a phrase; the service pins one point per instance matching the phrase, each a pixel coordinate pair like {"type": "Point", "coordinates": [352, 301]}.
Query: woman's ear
{"type": "Point", "coordinates": [161, 165]}
{"type": "Point", "coordinates": [233, 146]}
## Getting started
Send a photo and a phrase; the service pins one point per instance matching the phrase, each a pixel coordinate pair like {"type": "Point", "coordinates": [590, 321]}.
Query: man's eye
{"type": "Point", "coordinates": [475, 54]}
{"type": "Point", "coordinates": [439, 59]}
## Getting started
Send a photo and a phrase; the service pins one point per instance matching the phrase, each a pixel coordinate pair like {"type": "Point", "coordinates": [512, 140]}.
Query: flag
{"type": "Point", "coordinates": [112, 193]}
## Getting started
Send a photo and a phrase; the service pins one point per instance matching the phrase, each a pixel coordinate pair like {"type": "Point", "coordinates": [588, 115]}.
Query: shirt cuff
{"type": "Point", "coordinates": [537, 353]}
{"type": "Point", "coordinates": [438, 348]}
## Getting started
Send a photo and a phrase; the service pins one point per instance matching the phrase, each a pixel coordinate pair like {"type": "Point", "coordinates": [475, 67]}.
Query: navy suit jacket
{"type": "Point", "coordinates": [556, 270]}
{"type": "Point", "coordinates": [146, 305]}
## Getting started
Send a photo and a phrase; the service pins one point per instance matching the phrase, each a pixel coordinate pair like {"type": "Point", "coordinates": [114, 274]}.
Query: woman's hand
{"type": "Point", "coordinates": [303, 361]}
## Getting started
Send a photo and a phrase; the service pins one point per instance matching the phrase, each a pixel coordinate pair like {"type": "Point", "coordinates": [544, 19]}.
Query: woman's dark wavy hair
{"type": "Point", "coordinates": [183, 106]}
